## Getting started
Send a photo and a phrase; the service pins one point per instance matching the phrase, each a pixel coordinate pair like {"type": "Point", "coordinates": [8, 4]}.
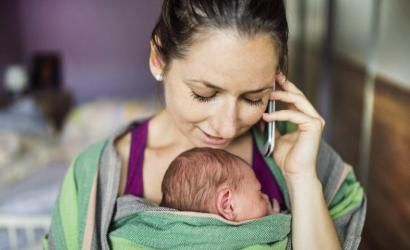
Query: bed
{"type": "Point", "coordinates": [34, 159]}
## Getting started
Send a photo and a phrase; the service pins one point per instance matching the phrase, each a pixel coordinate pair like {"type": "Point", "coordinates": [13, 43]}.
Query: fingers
{"type": "Point", "coordinates": [303, 121]}
{"type": "Point", "coordinates": [292, 95]}
{"type": "Point", "coordinates": [299, 101]}
{"type": "Point", "coordinates": [287, 85]}
{"type": "Point", "coordinates": [275, 206]}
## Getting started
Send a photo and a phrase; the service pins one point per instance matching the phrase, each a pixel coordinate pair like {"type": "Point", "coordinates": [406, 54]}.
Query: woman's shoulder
{"type": "Point", "coordinates": [121, 139]}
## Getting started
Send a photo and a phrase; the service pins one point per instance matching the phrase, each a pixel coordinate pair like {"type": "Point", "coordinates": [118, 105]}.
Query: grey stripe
{"type": "Point", "coordinates": [350, 226]}
{"type": "Point", "coordinates": [108, 186]}
{"type": "Point", "coordinates": [329, 170]}
{"type": "Point", "coordinates": [128, 204]}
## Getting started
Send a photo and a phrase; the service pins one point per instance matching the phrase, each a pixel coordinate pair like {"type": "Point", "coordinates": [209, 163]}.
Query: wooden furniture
{"type": "Point", "coordinates": [53, 104]}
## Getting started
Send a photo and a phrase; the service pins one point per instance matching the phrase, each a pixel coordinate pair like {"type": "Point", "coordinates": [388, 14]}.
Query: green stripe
{"type": "Point", "coordinates": [86, 168]}
{"type": "Point", "coordinates": [280, 245]}
{"type": "Point", "coordinates": [173, 230]}
{"type": "Point", "coordinates": [45, 243]}
{"type": "Point", "coordinates": [123, 244]}
{"type": "Point", "coordinates": [56, 235]}
{"type": "Point", "coordinates": [349, 196]}
{"type": "Point", "coordinates": [68, 209]}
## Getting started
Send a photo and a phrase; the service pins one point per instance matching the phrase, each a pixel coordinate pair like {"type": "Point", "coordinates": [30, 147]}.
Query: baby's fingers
{"type": "Point", "coordinates": [275, 206]}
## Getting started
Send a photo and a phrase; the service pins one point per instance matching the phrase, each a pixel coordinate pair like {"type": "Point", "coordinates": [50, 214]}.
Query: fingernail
{"type": "Point", "coordinates": [283, 78]}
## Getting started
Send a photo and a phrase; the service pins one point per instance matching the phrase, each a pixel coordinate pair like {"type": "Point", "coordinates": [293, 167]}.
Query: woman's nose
{"type": "Point", "coordinates": [226, 121]}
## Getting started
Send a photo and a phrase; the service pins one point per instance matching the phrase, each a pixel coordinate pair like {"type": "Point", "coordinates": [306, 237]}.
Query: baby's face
{"type": "Point", "coordinates": [250, 202]}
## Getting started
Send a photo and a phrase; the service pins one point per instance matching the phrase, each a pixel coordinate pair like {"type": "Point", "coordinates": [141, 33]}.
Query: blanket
{"type": "Point", "coordinates": [89, 214]}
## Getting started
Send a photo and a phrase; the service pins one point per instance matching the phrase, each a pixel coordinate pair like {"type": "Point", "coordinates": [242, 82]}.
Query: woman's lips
{"type": "Point", "coordinates": [213, 140]}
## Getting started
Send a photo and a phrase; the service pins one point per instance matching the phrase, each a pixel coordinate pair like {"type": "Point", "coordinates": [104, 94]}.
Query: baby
{"type": "Point", "coordinates": [214, 181]}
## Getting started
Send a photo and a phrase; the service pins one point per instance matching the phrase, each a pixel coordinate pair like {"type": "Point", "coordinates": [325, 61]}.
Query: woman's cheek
{"type": "Point", "coordinates": [181, 104]}
{"type": "Point", "coordinates": [251, 114]}
{"type": "Point", "coordinates": [193, 110]}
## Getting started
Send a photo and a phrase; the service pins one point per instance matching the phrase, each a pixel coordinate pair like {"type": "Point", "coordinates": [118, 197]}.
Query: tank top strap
{"type": "Point", "coordinates": [135, 184]}
{"type": "Point", "coordinates": [265, 177]}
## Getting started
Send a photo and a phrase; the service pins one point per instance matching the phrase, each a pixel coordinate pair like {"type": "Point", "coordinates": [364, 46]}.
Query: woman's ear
{"type": "Point", "coordinates": [224, 204]}
{"type": "Point", "coordinates": [156, 63]}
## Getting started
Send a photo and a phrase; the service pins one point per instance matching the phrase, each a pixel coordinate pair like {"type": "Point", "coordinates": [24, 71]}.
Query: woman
{"type": "Point", "coordinates": [218, 61]}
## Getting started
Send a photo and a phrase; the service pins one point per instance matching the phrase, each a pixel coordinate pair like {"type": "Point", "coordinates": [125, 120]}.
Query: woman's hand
{"type": "Point", "coordinates": [296, 152]}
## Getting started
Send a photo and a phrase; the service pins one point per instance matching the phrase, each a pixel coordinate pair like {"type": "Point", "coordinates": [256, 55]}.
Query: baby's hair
{"type": "Point", "coordinates": [194, 177]}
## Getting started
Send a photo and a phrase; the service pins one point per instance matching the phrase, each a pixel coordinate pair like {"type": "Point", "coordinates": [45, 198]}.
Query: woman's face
{"type": "Point", "coordinates": [221, 88]}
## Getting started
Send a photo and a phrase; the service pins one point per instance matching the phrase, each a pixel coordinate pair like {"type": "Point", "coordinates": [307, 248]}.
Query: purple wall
{"type": "Point", "coordinates": [104, 44]}
{"type": "Point", "coordinates": [10, 40]}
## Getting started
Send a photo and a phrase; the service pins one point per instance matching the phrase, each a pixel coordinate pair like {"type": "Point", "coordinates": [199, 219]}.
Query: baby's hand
{"type": "Point", "coordinates": [275, 206]}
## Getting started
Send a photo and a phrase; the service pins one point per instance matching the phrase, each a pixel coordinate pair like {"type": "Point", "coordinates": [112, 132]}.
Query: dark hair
{"type": "Point", "coordinates": [181, 20]}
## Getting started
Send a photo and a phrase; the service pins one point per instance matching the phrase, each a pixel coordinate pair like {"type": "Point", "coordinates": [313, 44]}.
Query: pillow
{"type": "Point", "coordinates": [90, 122]}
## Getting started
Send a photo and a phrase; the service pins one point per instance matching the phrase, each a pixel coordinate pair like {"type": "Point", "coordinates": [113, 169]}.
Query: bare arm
{"type": "Point", "coordinates": [312, 226]}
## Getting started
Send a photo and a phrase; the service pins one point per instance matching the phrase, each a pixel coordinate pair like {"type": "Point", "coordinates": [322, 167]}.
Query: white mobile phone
{"type": "Point", "coordinates": [269, 130]}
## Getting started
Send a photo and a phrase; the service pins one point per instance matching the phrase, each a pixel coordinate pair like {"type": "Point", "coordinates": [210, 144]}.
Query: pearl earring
{"type": "Point", "coordinates": [158, 77]}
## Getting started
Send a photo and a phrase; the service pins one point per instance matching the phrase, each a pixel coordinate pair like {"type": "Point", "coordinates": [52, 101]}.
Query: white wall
{"type": "Point", "coordinates": [393, 57]}
{"type": "Point", "coordinates": [352, 31]}
{"type": "Point", "coordinates": [104, 44]}
{"type": "Point", "coordinates": [393, 51]}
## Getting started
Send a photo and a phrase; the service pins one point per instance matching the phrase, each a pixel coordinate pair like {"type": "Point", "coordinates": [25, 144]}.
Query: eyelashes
{"type": "Point", "coordinates": [205, 99]}
{"type": "Point", "coordinates": [201, 98]}
{"type": "Point", "coordinates": [254, 102]}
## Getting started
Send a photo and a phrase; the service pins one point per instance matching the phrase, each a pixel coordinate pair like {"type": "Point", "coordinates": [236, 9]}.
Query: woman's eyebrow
{"type": "Point", "coordinates": [207, 84]}
{"type": "Point", "coordinates": [210, 85]}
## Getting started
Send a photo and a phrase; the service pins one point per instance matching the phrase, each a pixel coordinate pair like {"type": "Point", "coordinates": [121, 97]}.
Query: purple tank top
{"type": "Point", "coordinates": [135, 185]}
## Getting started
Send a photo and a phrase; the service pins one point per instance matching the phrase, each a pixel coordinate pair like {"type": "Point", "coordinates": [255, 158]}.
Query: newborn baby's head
{"type": "Point", "coordinates": [214, 181]}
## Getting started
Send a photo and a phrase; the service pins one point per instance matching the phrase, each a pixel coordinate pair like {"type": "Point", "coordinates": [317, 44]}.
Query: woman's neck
{"type": "Point", "coordinates": [163, 133]}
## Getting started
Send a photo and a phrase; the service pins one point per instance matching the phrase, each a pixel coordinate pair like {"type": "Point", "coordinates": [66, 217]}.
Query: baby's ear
{"type": "Point", "coordinates": [224, 204]}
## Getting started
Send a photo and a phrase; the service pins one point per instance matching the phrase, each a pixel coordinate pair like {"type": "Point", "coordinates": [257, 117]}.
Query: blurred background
{"type": "Point", "coordinates": [72, 72]}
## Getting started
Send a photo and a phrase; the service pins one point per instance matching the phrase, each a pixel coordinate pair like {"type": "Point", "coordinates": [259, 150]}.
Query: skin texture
{"type": "Point", "coordinates": [247, 202]}
{"type": "Point", "coordinates": [228, 108]}
{"type": "Point", "coordinates": [237, 66]}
